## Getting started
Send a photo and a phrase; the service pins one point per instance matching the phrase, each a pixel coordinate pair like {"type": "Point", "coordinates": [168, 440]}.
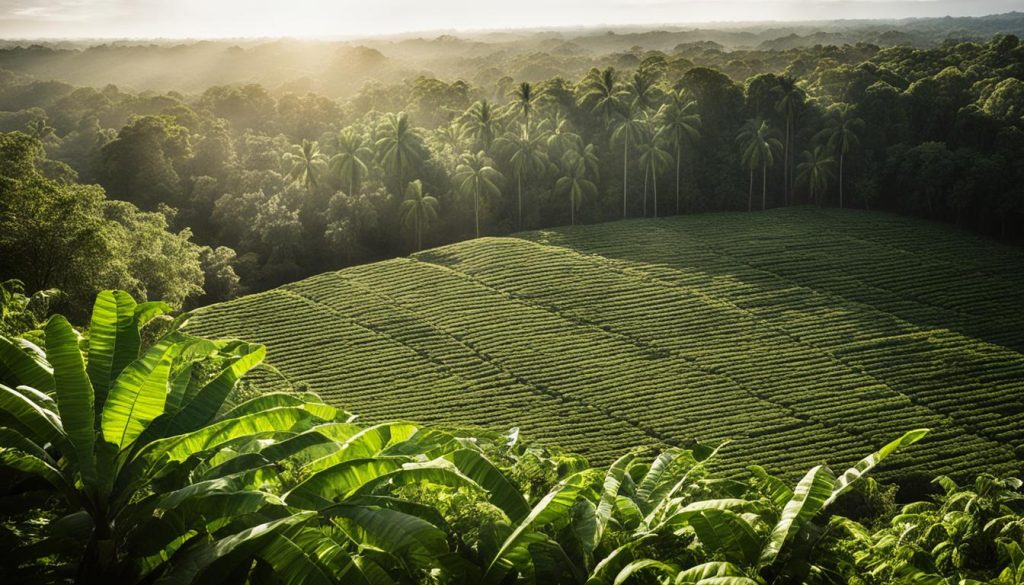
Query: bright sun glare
{"type": "Point", "coordinates": [326, 18]}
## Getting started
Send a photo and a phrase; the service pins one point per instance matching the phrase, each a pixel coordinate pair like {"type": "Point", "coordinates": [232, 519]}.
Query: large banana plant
{"type": "Point", "coordinates": [970, 534]}
{"type": "Point", "coordinates": [119, 432]}
{"type": "Point", "coordinates": [724, 535]}
{"type": "Point", "coordinates": [165, 480]}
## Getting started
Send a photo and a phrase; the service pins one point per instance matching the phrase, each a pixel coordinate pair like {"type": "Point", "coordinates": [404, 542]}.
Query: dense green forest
{"type": "Point", "coordinates": [241, 188]}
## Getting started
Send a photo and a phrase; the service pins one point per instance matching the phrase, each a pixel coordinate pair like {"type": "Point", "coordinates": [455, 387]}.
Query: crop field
{"type": "Point", "coordinates": [792, 333]}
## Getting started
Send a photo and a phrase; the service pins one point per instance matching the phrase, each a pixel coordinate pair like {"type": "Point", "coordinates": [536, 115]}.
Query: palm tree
{"type": "Point", "coordinates": [791, 98]}
{"type": "Point", "coordinates": [524, 98]}
{"type": "Point", "coordinates": [840, 134]}
{"type": "Point", "coordinates": [350, 163]}
{"type": "Point", "coordinates": [760, 148]}
{"type": "Point", "coordinates": [480, 124]}
{"type": "Point", "coordinates": [418, 211]}
{"type": "Point", "coordinates": [452, 136]}
{"type": "Point", "coordinates": [575, 182]}
{"type": "Point", "coordinates": [476, 177]}
{"type": "Point", "coordinates": [305, 164]}
{"type": "Point", "coordinates": [631, 127]}
{"type": "Point", "coordinates": [815, 171]}
{"type": "Point", "coordinates": [681, 123]}
{"type": "Point", "coordinates": [561, 138]}
{"type": "Point", "coordinates": [643, 89]}
{"type": "Point", "coordinates": [653, 158]}
{"type": "Point", "coordinates": [400, 147]}
{"type": "Point", "coordinates": [527, 156]}
{"type": "Point", "coordinates": [602, 93]}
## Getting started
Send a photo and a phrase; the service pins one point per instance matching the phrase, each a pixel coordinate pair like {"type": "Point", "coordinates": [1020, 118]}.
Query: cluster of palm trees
{"type": "Point", "coordinates": [490, 150]}
{"type": "Point", "coordinates": [761, 147]}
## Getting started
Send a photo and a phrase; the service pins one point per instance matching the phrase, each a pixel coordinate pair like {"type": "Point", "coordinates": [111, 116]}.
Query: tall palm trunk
{"type": "Point", "coordinates": [572, 209]}
{"type": "Point", "coordinates": [654, 184]}
{"type": "Point", "coordinates": [519, 199]}
{"type": "Point", "coordinates": [764, 184]}
{"type": "Point", "coordinates": [785, 165]}
{"type": "Point", "coordinates": [750, 191]}
{"type": "Point", "coordinates": [678, 153]}
{"type": "Point", "coordinates": [625, 171]}
{"type": "Point", "coordinates": [842, 155]}
{"type": "Point", "coordinates": [476, 211]}
{"type": "Point", "coordinates": [647, 172]}
{"type": "Point", "coordinates": [419, 238]}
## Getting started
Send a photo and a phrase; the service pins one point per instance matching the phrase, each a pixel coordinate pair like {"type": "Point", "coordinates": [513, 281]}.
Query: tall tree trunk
{"type": "Point", "coordinates": [625, 171]}
{"type": "Point", "coordinates": [785, 165]}
{"type": "Point", "coordinates": [519, 199]}
{"type": "Point", "coordinates": [419, 238]}
{"type": "Point", "coordinates": [647, 173]}
{"type": "Point", "coordinates": [678, 153]}
{"type": "Point", "coordinates": [572, 209]}
{"type": "Point", "coordinates": [476, 212]}
{"type": "Point", "coordinates": [750, 192]}
{"type": "Point", "coordinates": [654, 182]}
{"type": "Point", "coordinates": [764, 184]}
{"type": "Point", "coordinates": [842, 155]}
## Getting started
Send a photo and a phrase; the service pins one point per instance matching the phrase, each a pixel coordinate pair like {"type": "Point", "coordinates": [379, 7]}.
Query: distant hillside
{"type": "Point", "coordinates": [793, 333]}
{"type": "Point", "coordinates": [339, 68]}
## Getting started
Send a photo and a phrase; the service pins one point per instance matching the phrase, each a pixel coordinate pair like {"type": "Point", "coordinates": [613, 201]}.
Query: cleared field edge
{"type": "Point", "coordinates": [437, 369]}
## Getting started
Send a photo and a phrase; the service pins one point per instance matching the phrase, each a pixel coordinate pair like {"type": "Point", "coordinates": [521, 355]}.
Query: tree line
{"type": "Point", "coordinates": [256, 190]}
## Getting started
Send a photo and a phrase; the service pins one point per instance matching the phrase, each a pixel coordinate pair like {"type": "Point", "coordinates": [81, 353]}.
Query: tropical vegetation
{"type": "Point", "coordinates": [137, 456]}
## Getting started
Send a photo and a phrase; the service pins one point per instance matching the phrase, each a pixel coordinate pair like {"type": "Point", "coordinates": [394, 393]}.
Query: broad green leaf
{"type": "Point", "coordinates": [317, 442]}
{"type": "Point", "coordinates": [113, 340]}
{"type": "Point", "coordinates": [180, 447]}
{"type": "Point", "coordinates": [412, 539]}
{"type": "Point", "coordinates": [500, 491]}
{"type": "Point", "coordinates": [39, 424]}
{"type": "Point", "coordinates": [584, 525]}
{"type": "Point", "coordinates": [553, 506]}
{"type": "Point", "coordinates": [644, 565]}
{"type": "Point", "coordinates": [29, 367]}
{"type": "Point", "coordinates": [771, 486]}
{"type": "Point", "coordinates": [844, 481]}
{"type": "Point", "coordinates": [701, 573]}
{"type": "Point", "coordinates": [203, 407]}
{"type": "Point", "coordinates": [324, 487]}
{"type": "Point", "coordinates": [329, 552]}
{"type": "Point", "coordinates": [43, 400]}
{"type": "Point", "coordinates": [137, 396]}
{"type": "Point", "coordinates": [682, 516]}
{"type": "Point", "coordinates": [654, 477]}
{"type": "Point", "coordinates": [27, 463]}
{"type": "Point", "coordinates": [368, 442]}
{"type": "Point", "coordinates": [75, 399]}
{"type": "Point", "coordinates": [278, 399]}
{"type": "Point", "coordinates": [808, 499]}
{"type": "Point", "coordinates": [11, 438]}
{"type": "Point", "coordinates": [292, 564]}
{"type": "Point", "coordinates": [661, 496]}
{"type": "Point", "coordinates": [726, 535]}
{"type": "Point", "coordinates": [610, 490]}
{"type": "Point", "coordinates": [440, 472]}
{"type": "Point", "coordinates": [614, 561]}
{"type": "Point", "coordinates": [190, 566]}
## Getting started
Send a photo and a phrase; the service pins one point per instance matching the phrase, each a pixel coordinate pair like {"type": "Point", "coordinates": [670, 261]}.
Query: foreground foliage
{"type": "Point", "coordinates": [140, 461]}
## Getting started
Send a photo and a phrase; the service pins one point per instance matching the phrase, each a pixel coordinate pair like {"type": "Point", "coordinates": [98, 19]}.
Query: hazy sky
{"type": "Point", "coordinates": [319, 18]}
